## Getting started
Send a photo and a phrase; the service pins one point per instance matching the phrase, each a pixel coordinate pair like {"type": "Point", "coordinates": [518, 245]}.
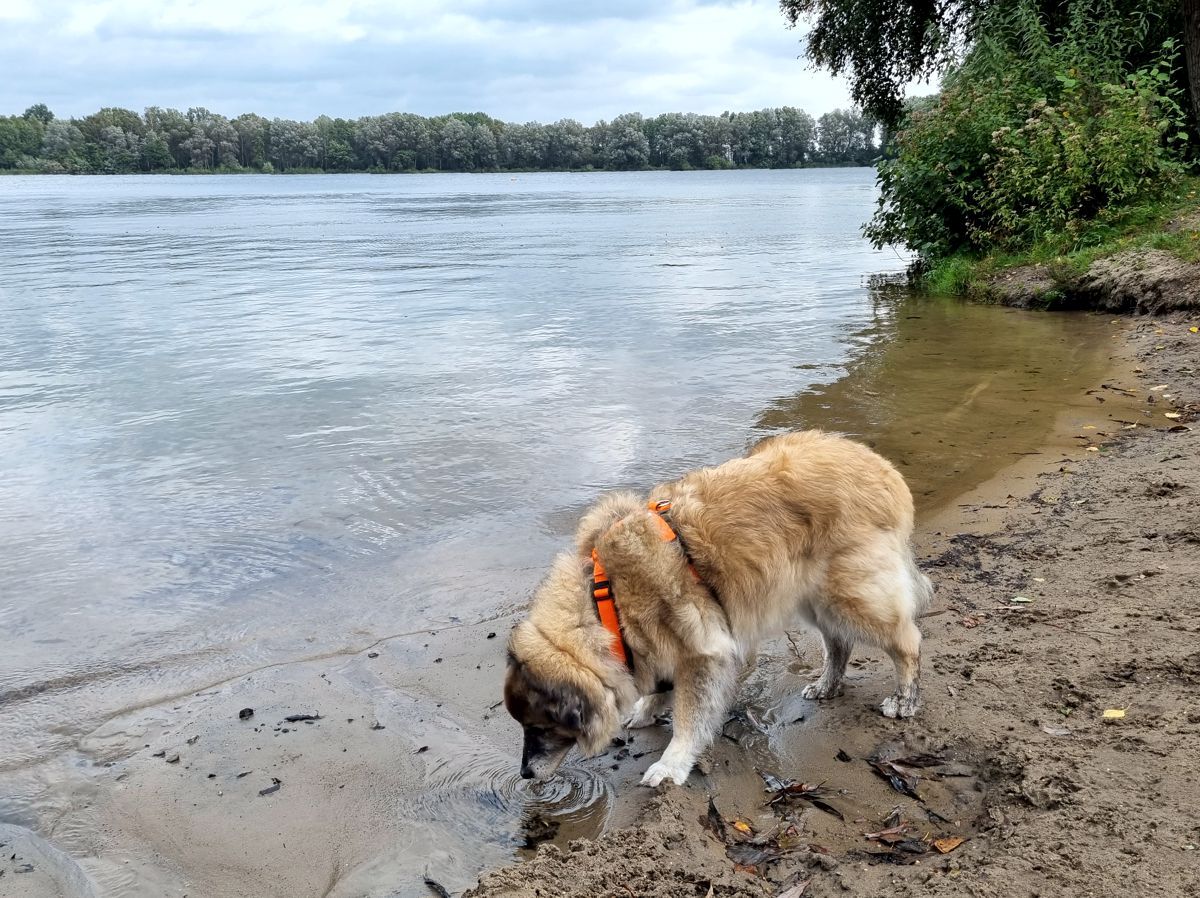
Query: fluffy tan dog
{"type": "Point", "coordinates": [808, 524]}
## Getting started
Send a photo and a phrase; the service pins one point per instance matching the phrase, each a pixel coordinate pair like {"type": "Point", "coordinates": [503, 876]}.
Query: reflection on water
{"type": "Point", "coordinates": [953, 391]}
{"type": "Point", "coordinates": [245, 421]}
{"type": "Point", "coordinates": [225, 399]}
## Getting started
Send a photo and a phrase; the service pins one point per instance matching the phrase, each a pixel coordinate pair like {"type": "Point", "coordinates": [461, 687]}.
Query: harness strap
{"type": "Point", "coordinates": [605, 600]}
{"type": "Point", "coordinates": [662, 512]}
{"type": "Point", "coordinates": [606, 610]}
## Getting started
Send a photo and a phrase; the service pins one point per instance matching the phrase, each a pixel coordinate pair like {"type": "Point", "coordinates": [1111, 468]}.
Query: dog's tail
{"type": "Point", "coordinates": [922, 586]}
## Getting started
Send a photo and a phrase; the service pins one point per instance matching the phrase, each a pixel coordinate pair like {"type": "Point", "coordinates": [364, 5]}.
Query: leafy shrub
{"type": "Point", "coordinates": [1033, 135]}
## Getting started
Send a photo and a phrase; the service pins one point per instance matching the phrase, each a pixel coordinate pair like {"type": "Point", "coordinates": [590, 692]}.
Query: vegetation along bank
{"type": "Point", "coordinates": [1057, 166]}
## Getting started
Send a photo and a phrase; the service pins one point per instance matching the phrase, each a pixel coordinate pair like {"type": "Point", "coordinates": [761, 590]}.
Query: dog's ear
{"type": "Point", "coordinates": [569, 709]}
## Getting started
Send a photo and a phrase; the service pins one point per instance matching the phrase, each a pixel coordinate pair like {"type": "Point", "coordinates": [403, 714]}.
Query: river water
{"type": "Point", "coordinates": [246, 420]}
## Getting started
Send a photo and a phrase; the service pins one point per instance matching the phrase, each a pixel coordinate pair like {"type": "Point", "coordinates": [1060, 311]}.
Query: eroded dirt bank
{"type": "Point", "coordinates": [1068, 588]}
{"type": "Point", "coordinates": [1149, 281]}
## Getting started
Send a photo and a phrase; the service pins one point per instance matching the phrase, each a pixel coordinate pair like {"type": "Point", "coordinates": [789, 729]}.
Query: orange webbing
{"type": "Point", "coordinates": [606, 608]}
{"type": "Point", "coordinates": [666, 532]}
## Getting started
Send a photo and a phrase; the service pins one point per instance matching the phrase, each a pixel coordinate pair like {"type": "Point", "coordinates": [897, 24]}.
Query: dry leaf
{"type": "Point", "coordinates": [743, 827]}
{"type": "Point", "coordinates": [1172, 415]}
{"type": "Point", "coordinates": [1194, 330]}
{"type": "Point", "coordinates": [1113, 714]}
{"type": "Point", "coordinates": [1056, 731]}
{"type": "Point", "coordinates": [795, 891]}
{"type": "Point", "coordinates": [1021, 600]}
{"type": "Point", "coordinates": [948, 844]}
{"type": "Point", "coordinates": [1093, 448]}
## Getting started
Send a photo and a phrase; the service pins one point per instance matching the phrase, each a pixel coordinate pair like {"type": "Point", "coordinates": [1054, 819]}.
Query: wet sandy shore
{"type": "Point", "coordinates": [1068, 589]}
{"type": "Point", "coordinates": [410, 759]}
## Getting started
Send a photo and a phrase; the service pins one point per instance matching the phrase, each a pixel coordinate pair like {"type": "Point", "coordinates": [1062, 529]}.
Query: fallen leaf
{"type": "Point", "coordinates": [743, 827]}
{"type": "Point", "coordinates": [1056, 731]}
{"type": "Point", "coordinates": [1113, 714]}
{"type": "Point", "coordinates": [1089, 427]}
{"type": "Point", "coordinates": [948, 844]}
{"type": "Point", "coordinates": [1178, 428]}
{"type": "Point", "coordinates": [795, 891]}
{"type": "Point", "coordinates": [1021, 600]}
{"type": "Point", "coordinates": [1172, 415]}
{"type": "Point", "coordinates": [809, 792]}
{"type": "Point", "coordinates": [892, 834]}
{"type": "Point", "coordinates": [970, 623]}
{"type": "Point", "coordinates": [1194, 330]}
{"type": "Point", "coordinates": [713, 821]}
{"type": "Point", "coordinates": [902, 781]}
{"type": "Point", "coordinates": [436, 887]}
{"type": "Point", "coordinates": [843, 757]}
{"type": "Point", "coordinates": [1093, 448]}
{"type": "Point", "coordinates": [1159, 388]}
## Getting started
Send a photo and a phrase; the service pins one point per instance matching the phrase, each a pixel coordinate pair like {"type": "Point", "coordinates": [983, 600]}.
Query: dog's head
{"type": "Point", "coordinates": [553, 715]}
{"type": "Point", "coordinates": [563, 685]}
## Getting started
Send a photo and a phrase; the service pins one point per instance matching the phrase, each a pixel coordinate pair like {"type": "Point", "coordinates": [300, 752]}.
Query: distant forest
{"type": "Point", "coordinates": [114, 141]}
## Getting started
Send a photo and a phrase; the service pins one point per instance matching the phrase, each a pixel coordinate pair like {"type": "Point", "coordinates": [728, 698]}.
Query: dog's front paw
{"type": "Point", "coordinates": [666, 770]}
{"type": "Point", "coordinates": [899, 706]}
{"type": "Point", "coordinates": [820, 690]}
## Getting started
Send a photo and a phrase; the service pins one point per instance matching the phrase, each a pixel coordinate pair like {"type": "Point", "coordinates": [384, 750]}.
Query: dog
{"type": "Point", "coordinates": [669, 598]}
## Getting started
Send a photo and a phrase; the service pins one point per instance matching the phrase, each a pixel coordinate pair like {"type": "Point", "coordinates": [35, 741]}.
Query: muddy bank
{"type": "Point", "coordinates": [1143, 281]}
{"type": "Point", "coordinates": [1068, 587]}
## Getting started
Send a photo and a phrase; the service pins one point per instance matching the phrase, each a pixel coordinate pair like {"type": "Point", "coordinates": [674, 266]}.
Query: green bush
{"type": "Point", "coordinates": [1038, 132]}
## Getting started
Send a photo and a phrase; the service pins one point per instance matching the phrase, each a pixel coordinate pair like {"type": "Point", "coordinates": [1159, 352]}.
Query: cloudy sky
{"type": "Point", "coordinates": [519, 60]}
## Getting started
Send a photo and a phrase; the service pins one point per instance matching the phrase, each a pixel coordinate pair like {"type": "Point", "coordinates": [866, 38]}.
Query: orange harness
{"type": "Point", "coordinates": [602, 591]}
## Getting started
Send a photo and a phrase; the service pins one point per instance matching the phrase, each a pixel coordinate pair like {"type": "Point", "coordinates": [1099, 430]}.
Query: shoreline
{"type": "Point", "coordinates": [1096, 545]}
{"type": "Point", "coordinates": [184, 786]}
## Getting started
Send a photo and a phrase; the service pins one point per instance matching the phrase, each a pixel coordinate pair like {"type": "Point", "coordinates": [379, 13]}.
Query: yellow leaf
{"type": "Point", "coordinates": [1093, 448]}
{"type": "Point", "coordinates": [743, 827]}
{"type": "Point", "coordinates": [1171, 415]}
{"type": "Point", "coordinates": [1089, 426]}
{"type": "Point", "coordinates": [948, 844]}
{"type": "Point", "coordinates": [1113, 714]}
{"type": "Point", "coordinates": [1194, 330]}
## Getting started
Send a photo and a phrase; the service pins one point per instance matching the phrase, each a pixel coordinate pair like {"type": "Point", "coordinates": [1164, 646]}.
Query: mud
{"type": "Point", "coordinates": [1068, 586]}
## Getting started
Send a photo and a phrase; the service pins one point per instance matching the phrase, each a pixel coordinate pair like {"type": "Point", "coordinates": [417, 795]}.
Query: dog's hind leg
{"type": "Point", "coordinates": [648, 708]}
{"type": "Point", "coordinates": [704, 689]}
{"type": "Point", "coordinates": [905, 651]}
{"type": "Point", "coordinates": [837, 654]}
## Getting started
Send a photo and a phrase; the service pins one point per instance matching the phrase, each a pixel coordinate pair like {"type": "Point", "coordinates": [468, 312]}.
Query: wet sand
{"type": "Point", "coordinates": [410, 769]}
{"type": "Point", "coordinates": [1068, 587]}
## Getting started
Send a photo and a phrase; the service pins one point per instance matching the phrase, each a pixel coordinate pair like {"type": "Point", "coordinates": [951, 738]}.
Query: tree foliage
{"type": "Point", "coordinates": [115, 140]}
{"type": "Point", "coordinates": [885, 45]}
{"type": "Point", "coordinates": [1042, 128]}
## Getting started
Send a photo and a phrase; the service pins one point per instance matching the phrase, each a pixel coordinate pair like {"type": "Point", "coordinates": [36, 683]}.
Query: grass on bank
{"type": "Point", "coordinates": [1066, 254]}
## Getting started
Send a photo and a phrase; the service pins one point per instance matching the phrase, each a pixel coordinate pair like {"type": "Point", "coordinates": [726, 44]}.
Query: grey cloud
{"type": "Point", "coordinates": [519, 60]}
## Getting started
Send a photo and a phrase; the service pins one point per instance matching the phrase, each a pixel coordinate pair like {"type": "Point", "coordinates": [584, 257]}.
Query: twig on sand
{"type": "Point", "coordinates": [795, 648]}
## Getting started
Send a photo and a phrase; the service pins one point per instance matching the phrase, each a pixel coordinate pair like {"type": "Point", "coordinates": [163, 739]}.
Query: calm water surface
{"type": "Point", "coordinates": [227, 403]}
{"type": "Point", "coordinates": [212, 387]}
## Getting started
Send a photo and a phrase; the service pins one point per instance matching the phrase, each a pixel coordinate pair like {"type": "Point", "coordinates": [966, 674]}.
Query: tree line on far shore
{"type": "Point", "coordinates": [116, 140]}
